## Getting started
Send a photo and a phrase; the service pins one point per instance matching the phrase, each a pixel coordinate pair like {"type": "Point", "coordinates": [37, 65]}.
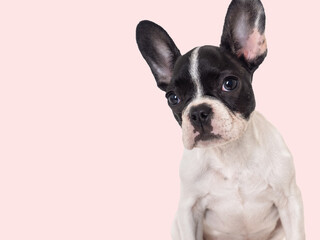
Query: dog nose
{"type": "Point", "coordinates": [200, 114]}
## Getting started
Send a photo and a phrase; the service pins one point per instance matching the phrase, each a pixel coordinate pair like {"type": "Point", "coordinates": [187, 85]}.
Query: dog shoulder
{"type": "Point", "coordinates": [281, 174]}
{"type": "Point", "coordinates": [267, 134]}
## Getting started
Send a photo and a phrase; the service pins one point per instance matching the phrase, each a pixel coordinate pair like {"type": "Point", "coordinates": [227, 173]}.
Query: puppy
{"type": "Point", "coordinates": [237, 175]}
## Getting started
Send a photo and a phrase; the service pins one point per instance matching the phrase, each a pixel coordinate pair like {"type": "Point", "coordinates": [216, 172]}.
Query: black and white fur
{"type": "Point", "coordinates": [237, 175]}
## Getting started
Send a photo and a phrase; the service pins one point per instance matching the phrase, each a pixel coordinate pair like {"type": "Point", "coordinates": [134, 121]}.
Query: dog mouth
{"type": "Point", "coordinates": [202, 136]}
{"type": "Point", "coordinates": [206, 136]}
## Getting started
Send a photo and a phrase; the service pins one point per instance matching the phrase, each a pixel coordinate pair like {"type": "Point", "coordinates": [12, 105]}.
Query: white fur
{"type": "Point", "coordinates": [194, 71]}
{"type": "Point", "coordinates": [227, 125]}
{"type": "Point", "coordinates": [244, 189]}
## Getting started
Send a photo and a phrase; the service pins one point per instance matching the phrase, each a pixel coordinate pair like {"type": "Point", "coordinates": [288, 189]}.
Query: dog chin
{"type": "Point", "coordinates": [206, 141]}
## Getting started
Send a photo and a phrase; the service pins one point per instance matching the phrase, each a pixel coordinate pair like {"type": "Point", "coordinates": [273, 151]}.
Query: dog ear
{"type": "Point", "coordinates": [243, 32]}
{"type": "Point", "coordinates": [159, 50]}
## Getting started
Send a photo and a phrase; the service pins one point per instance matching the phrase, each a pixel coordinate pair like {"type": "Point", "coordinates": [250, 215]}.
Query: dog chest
{"type": "Point", "coordinates": [238, 202]}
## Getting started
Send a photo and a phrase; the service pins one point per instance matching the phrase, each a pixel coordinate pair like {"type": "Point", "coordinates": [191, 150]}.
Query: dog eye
{"type": "Point", "coordinates": [172, 98]}
{"type": "Point", "coordinates": [229, 84]}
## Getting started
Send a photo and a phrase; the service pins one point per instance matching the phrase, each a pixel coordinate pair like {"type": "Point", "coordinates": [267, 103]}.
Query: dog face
{"type": "Point", "coordinates": [209, 88]}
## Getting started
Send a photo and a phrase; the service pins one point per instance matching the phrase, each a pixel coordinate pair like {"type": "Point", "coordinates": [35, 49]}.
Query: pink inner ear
{"type": "Point", "coordinates": [162, 68]}
{"type": "Point", "coordinates": [254, 46]}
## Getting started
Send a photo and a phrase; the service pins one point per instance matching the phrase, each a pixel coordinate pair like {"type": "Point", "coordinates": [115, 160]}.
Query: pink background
{"type": "Point", "coordinates": [89, 148]}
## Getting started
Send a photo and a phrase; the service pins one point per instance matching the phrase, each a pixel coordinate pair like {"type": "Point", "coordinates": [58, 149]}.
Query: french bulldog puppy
{"type": "Point", "coordinates": [237, 174]}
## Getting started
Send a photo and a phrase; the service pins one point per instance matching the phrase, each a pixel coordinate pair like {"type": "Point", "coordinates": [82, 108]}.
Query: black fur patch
{"type": "Point", "coordinates": [215, 65]}
{"type": "Point", "coordinates": [182, 85]}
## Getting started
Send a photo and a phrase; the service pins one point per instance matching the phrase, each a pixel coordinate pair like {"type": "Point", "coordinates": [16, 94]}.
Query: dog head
{"type": "Point", "coordinates": [209, 88]}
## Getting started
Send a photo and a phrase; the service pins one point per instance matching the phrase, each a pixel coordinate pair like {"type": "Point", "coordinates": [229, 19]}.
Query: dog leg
{"type": "Point", "coordinates": [188, 223]}
{"type": "Point", "coordinates": [291, 215]}
{"type": "Point", "coordinates": [175, 231]}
